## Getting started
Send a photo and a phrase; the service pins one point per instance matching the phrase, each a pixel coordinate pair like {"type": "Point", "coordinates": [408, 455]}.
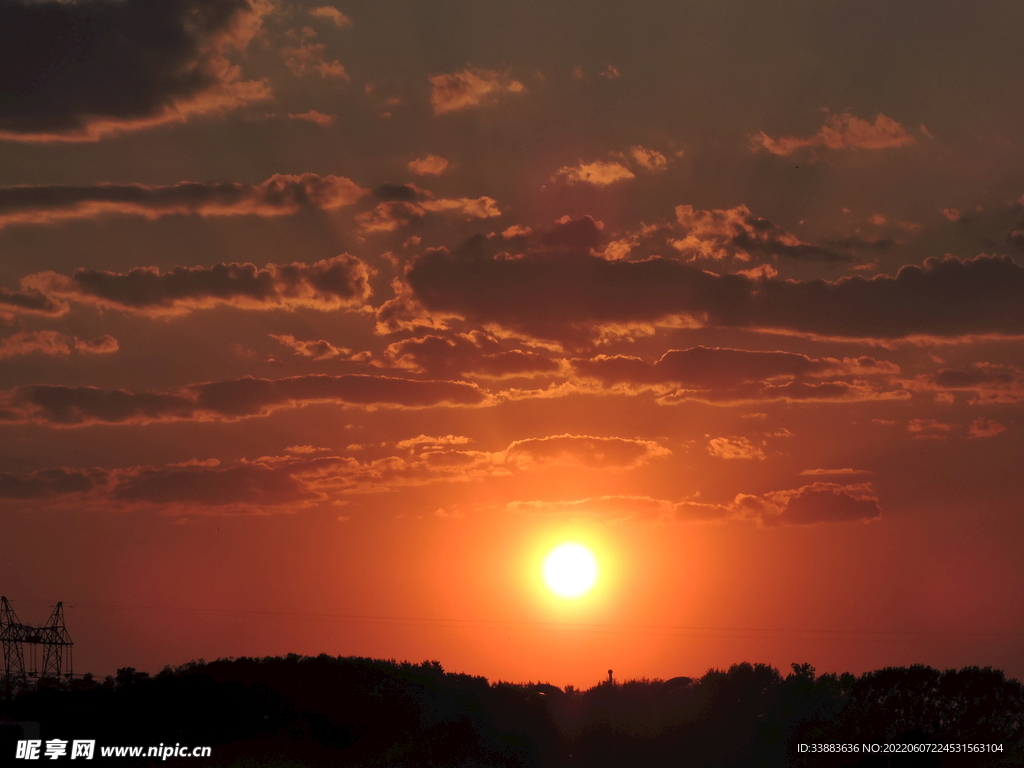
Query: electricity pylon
{"type": "Point", "coordinates": [53, 637]}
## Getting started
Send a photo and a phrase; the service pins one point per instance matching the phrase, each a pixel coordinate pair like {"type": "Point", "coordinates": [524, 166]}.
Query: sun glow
{"type": "Point", "coordinates": [570, 570]}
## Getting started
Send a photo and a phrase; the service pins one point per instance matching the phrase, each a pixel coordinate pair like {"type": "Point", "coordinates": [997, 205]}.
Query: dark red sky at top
{"type": "Point", "coordinates": [321, 324]}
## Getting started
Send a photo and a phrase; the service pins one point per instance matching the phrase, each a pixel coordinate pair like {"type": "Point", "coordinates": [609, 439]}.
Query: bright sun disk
{"type": "Point", "coordinates": [570, 570]}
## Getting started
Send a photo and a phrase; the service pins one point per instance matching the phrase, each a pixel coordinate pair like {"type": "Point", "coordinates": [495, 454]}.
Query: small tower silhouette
{"type": "Point", "coordinates": [53, 637]}
{"type": "Point", "coordinates": [611, 680]}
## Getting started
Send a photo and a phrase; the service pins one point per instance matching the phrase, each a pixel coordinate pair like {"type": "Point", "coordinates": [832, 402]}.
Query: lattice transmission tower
{"type": "Point", "coordinates": [50, 641]}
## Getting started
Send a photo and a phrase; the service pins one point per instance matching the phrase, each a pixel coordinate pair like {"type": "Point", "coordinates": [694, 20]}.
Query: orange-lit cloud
{"type": "Point", "coordinates": [46, 483]}
{"type": "Point", "coordinates": [319, 350]}
{"type": "Point", "coordinates": [843, 471]}
{"type": "Point", "coordinates": [979, 382]}
{"type": "Point", "coordinates": [308, 475]}
{"type": "Point", "coordinates": [816, 503]}
{"type": "Point", "coordinates": [795, 391]}
{"type": "Point", "coordinates": [337, 283]}
{"type": "Point", "coordinates": [469, 88]}
{"type": "Point", "coordinates": [101, 345]}
{"type": "Point", "coordinates": [54, 344]}
{"type": "Point", "coordinates": [279, 195]}
{"type": "Point", "coordinates": [599, 173]}
{"type": "Point", "coordinates": [841, 131]}
{"type": "Point", "coordinates": [315, 117]}
{"type": "Point", "coordinates": [602, 173]}
{"type": "Point", "coordinates": [808, 505]}
{"type": "Point", "coordinates": [97, 69]}
{"type": "Point", "coordinates": [735, 448]}
{"type": "Point", "coordinates": [476, 352]}
{"type": "Point", "coordinates": [736, 232]}
{"type": "Point", "coordinates": [308, 57]}
{"type": "Point", "coordinates": [650, 159]}
{"type": "Point", "coordinates": [574, 294]}
{"type": "Point", "coordinates": [929, 429]}
{"type": "Point", "coordinates": [700, 366]}
{"type": "Point", "coordinates": [403, 204]}
{"type": "Point", "coordinates": [332, 14]}
{"type": "Point", "coordinates": [226, 400]}
{"type": "Point", "coordinates": [29, 301]}
{"type": "Point", "coordinates": [587, 451]}
{"type": "Point", "coordinates": [985, 428]}
{"type": "Point", "coordinates": [428, 165]}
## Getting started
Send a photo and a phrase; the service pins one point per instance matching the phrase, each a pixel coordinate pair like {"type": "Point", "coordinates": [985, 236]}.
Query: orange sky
{"type": "Point", "coordinates": [321, 325]}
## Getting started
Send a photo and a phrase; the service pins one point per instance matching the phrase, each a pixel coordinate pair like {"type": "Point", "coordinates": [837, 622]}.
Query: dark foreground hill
{"type": "Point", "coordinates": [326, 711]}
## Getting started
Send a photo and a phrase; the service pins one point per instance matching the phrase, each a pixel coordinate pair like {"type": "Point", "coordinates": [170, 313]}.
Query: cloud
{"type": "Point", "coordinates": [795, 391]}
{"type": "Point", "coordinates": [985, 428]}
{"type": "Point", "coordinates": [735, 232]}
{"type": "Point", "coordinates": [53, 344]}
{"type": "Point", "coordinates": [44, 342]}
{"type": "Point", "coordinates": [279, 195]}
{"type": "Point", "coordinates": [701, 367]}
{"type": "Point", "coordinates": [428, 165]}
{"type": "Point", "coordinates": [602, 173]}
{"type": "Point", "coordinates": [475, 352]}
{"type": "Point", "coordinates": [650, 159]}
{"type": "Point", "coordinates": [268, 484]}
{"type": "Point", "coordinates": [307, 475]}
{"type": "Point", "coordinates": [585, 451]}
{"type": "Point", "coordinates": [403, 204]}
{"type": "Point", "coordinates": [29, 301]}
{"type": "Point", "coordinates": [469, 88]}
{"type": "Point", "coordinates": [341, 282]}
{"type": "Point", "coordinates": [976, 375]}
{"type": "Point", "coordinates": [307, 58]}
{"type": "Point", "coordinates": [256, 484]}
{"type": "Point", "coordinates": [433, 442]}
{"type": "Point", "coordinates": [315, 117]}
{"type": "Point", "coordinates": [227, 400]}
{"type": "Point", "coordinates": [1017, 238]}
{"type": "Point", "coordinates": [599, 173]}
{"type": "Point", "coordinates": [980, 382]}
{"type": "Point", "coordinates": [722, 375]}
{"type": "Point", "coordinates": [929, 429]}
{"type": "Point", "coordinates": [46, 483]}
{"type": "Point", "coordinates": [844, 471]}
{"type": "Point", "coordinates": [336, 17]}
{"type": "Point", "coordinates": [101, 345]}
{"type": "Point", "coordinates": [569, 296]}
{"type": "Point", "coordinates": [842, 131]}
{"type": "Point", "coordinates": [808, 505]}
{"type": "Point", "coordinates": [823, 503]}
{"type": "Point", "coordinates": [320, 350]}
{"type": "Point", "coordinates": [734, 448]}
{"type": "Point", "coordinates": [98, 68]}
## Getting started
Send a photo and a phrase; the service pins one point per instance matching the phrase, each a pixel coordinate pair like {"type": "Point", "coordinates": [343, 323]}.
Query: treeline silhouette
{"type": "Point", "coordinates": [326, 711]}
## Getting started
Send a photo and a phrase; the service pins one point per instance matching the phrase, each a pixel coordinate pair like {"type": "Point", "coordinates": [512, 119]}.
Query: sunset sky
{"type": "Point", "coordinates": [320, 325]}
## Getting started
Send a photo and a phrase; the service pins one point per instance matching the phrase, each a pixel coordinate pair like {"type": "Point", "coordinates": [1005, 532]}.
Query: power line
{"type": "Point", "coordinates": [766, 633]}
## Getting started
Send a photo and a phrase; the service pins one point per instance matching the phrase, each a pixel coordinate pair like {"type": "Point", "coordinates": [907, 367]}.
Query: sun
{"type": "Point", "coordinates": [570, 570]}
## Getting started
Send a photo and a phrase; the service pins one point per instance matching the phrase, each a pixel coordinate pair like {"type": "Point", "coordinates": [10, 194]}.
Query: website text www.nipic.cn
{"type": "Point", "coordinates": [85, 749]}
